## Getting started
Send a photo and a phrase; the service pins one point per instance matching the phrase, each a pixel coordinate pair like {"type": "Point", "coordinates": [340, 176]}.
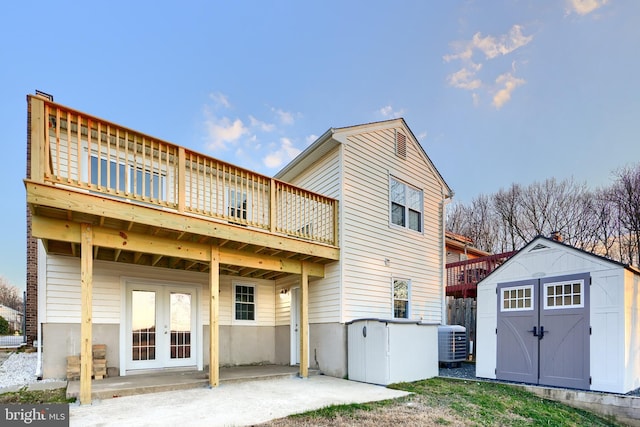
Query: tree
{"type": "Point", "coordinates": [9, 295]}
{"type": "Point", "coordinates": [605, 221]}
{"type": "Point", "coordinates": [625, 194]}
{"type": "Point", "coordinates": [4, 326]}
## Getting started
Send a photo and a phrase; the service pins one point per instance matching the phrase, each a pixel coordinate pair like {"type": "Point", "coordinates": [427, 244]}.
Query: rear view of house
{"type": "Point", "coordinates": [174, 259]}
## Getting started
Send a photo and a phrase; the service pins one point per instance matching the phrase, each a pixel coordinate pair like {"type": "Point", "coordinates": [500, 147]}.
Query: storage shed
{"type": "Point", "coordinates": [559, 316]}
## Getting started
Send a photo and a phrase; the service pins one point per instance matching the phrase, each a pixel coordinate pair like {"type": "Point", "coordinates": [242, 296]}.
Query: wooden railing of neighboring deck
{"type": "Point", "coordinates": [88, 153]}
{"type": "Point", "coordinates": [463, 276]}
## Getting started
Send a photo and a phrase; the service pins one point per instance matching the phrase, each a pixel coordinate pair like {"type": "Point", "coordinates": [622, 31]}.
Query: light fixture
{"type": "Point", "coordinates": [284, 291]}
{"type": "Point", "coordinates": [387, 261]}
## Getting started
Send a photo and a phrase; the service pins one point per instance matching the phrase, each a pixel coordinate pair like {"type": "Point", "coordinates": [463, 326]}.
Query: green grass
{"type": "Point", "coordinates": [451, 401]}
{"type": "Point", "coordinates": [23, 395]}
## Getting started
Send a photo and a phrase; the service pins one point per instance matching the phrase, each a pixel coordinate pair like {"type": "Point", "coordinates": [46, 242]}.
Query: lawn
{"type": "Point", "coordinates": [449, 402]}
{"type": "Point", "coordinates": [23, 395]}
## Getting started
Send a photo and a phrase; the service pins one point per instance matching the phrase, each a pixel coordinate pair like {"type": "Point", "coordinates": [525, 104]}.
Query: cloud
{"type": "Point", "coordinates": [285, 117]}
{"type": "Point", "coordinates": [490, 47]}
{"type": "Point", "coordinates": [584, 7]}
{"type": "Point", "coordinates": [503, 45]}
{"type": "Point", "coordinates": [220, 100]}
{"type": "Point", "coordinates": [263, 126]}
{"type": "Point", "coordinates": [222, 131]}
{"type": "Point", "coordinates": [285, 153]}
{"type": "Point", "coordinates": [509, 84]}
{"type": "Point", "coordinates": [311, 139]}
{"type": "Point", "coordinates": [464, 79]}
{"type": "Point", "coordinates": [388, 112]}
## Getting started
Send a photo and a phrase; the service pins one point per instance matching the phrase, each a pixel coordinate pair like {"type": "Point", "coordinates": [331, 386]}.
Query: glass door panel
{"type": "Point", "coordinates": [143, 325]}
{"type": "Point", "coordinates": [180, 322]}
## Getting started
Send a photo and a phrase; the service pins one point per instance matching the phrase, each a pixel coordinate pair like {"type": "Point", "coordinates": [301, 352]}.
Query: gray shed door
{"type": "Point", "coordinates": [543, 331]}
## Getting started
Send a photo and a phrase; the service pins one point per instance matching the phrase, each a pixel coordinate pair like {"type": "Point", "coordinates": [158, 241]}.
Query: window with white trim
{"type": "Point", "coordinates": [406, 205]}
{"type": "Point", "coordinates": [517, 298]}
{"type": "Point", "coordinates": [238, 206]}
{"type": "Point", "coordinates": [568, 294]}
{"type": "Point", "coordinates": [122, 177]}
{"type": "Point", "coordinates": [244, 302]}
{"type": "Point", "coordinates": [401, 297]}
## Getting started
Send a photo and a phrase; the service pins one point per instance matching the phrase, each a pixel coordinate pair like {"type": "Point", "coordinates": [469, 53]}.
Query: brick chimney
{"type": "Point", "coordinates": [556, 236]}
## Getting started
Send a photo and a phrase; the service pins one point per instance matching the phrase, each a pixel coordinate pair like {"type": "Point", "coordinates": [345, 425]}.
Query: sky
{"type": "Point", "coordinates": [497, 92]}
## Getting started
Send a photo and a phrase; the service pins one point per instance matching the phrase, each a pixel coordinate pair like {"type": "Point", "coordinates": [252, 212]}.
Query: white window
{"type": "Point", "coordinates": [244, 302]}
{"type": "Point", "coordinates": [127, 179]}
{"type": "Point", "coordinates": [564, 294]}
{"type": "Point", "coordinates": [238, 206]}
{"type": "Point", "coordinates": [401, 298]}
{"type": "Point", "coordinates": [406, 205]}
{"type": "Point", "coordinates": [517, 298]}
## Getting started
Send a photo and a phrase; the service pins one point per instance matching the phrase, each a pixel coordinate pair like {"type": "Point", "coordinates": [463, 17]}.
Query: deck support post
{"type": "Point", "coordinates": [86, 284]}
{"type": "Point", "coordinates": [214, 337]}
{"type": "Point", "coordinates": [304, 321]}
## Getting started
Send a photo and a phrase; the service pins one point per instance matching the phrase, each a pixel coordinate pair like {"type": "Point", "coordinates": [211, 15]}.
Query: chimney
{"type": "Point", "coordinates": [556, 236]}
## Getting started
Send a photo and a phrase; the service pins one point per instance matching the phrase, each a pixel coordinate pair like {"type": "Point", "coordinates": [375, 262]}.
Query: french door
{"type": "Point", "coordinates": [161, 326]}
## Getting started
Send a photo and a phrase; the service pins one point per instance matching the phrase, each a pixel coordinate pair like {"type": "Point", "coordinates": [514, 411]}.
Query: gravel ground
{"type": "Point", "coordinates": [468, 371]}
{"type": "Point", "coordinates": [20, 369]}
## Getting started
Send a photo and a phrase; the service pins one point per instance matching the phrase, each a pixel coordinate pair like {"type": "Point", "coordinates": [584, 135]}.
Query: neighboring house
{"type": "Point", "coordinates": [175, 259]}
{"type": "Point", "coordinates": [460, 248]}
{"type": "Point", "coordinates": [558, 316]}
{"type": "Point", "coordinates": [14, 317]}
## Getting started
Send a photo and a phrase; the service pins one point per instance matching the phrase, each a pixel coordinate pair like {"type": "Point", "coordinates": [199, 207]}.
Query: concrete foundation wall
{"type": "Point", "coordinates": [243, 345]}
{"type": "Point", "coordinates": [328, 348]}
{"type": "Point", "coordinates": [283, 345]}
{"type": "Point", "coordinates": [63, 339]}
{"type": "Point", "coordinates": [239, 345]}
{"type": "Point", "coordinates": [624, 409]}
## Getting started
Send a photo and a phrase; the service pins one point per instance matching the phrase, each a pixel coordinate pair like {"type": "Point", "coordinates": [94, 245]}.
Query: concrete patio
{"type": "Point", "coordinates": [233, 403]}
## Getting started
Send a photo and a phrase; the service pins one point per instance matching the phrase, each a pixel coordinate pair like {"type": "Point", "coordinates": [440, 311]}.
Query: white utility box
{"type": "Point", "coordinates": [382, 351]}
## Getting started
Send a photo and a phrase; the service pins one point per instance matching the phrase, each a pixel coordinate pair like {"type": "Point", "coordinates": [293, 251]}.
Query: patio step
{"type": "Point", "coordinates": [129, 385]}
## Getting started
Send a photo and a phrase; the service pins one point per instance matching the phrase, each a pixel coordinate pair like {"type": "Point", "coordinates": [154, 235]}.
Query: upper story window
{"type": "Point", "coordinates": [406, 205]}
{"type": "Point", "coordinates": [401, 293]}
{"type": "Point", "coordinates": [238, 207]}
{"type": "Point", "coordinates": [123, 177]}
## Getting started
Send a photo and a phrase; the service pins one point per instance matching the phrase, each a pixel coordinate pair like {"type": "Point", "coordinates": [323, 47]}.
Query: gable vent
{"type": "Point", "coordinates": [401, 145]}
{"type": "Point", "coordinates": [538, 247]}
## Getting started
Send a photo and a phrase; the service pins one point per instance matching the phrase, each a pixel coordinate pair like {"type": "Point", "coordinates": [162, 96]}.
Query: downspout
{"type": "Point", "coordinates": [39, 363]}
{"type": "Point", "coordinates": [446, 199]}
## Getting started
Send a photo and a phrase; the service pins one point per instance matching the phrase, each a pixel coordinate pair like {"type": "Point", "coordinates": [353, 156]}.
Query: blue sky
{"type": "Point", "coordinates": [496, 91]}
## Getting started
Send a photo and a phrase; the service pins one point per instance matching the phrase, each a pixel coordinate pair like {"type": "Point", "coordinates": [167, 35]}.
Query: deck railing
{"type": "Point", "coordinates": [92, 154]}
{"type": "Point", "coordinates": [463, 276]}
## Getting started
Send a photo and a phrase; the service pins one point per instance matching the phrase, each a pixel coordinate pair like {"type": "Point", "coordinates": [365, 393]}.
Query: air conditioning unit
{"type": "Point", "coordinates": [452, 345]}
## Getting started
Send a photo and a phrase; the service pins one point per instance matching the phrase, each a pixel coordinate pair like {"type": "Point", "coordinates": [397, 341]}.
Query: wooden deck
{"type": "Point", "coordinates": [99, 191]}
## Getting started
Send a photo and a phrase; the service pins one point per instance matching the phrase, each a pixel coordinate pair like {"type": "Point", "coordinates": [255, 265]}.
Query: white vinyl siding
{"type": "Point", "coordinates": [369, 160]}
{"type": "Point", "coordinates": [357, 174]}
{"type": "Point", "coordinates": [63, 291]}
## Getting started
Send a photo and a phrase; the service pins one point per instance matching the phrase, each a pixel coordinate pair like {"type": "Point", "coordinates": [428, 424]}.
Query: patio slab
{"type": "Point", "coordinates": [230, 404]}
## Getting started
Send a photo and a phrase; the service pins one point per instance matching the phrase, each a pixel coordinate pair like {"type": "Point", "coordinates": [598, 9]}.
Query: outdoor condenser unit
{"type": "Point", "coordinates": [452, 344]}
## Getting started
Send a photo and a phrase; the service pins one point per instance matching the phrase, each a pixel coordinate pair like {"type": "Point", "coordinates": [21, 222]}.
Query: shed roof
{"type": "Point", "coordinates": [540, 238]}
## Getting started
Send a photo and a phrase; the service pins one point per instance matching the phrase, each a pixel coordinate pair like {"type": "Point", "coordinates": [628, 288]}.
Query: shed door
{"type": "Point", "coordinates": [543, 331]}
